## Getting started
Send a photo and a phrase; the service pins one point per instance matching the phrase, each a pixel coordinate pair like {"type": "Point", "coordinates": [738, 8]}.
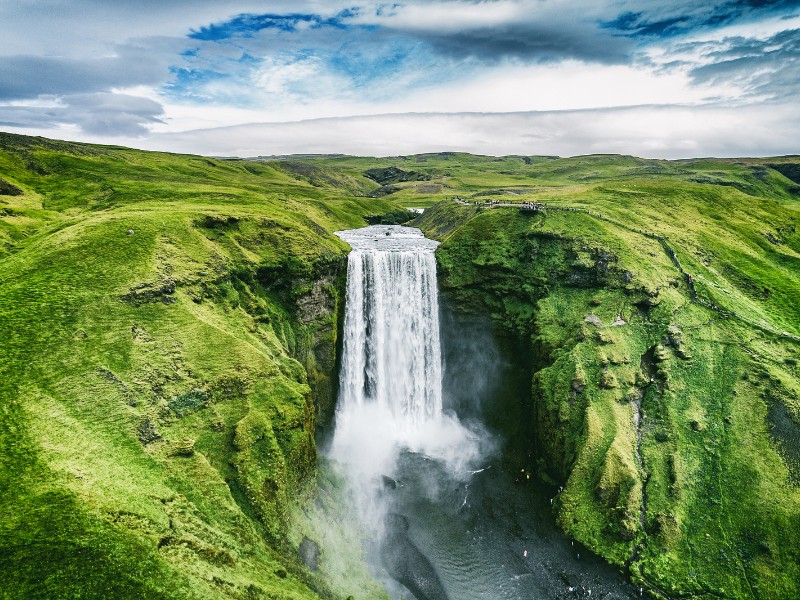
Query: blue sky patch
{"type": "Point", "coordinates": [246, 25]}
{"type": "Point", "coordinates": [639, 25]}
{"type": "Point", "coordinates": [365, 58]}
{"type": "Point", "coordinates": [634, 24]}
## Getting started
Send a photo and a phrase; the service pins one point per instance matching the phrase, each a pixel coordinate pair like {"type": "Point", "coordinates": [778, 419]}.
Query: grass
{"type": "Point", "coordinates": [169, 330]}
{"type": "Point", "coordinates": [657, 427]}
{"type": "Point", "coordinates": [158, 414]}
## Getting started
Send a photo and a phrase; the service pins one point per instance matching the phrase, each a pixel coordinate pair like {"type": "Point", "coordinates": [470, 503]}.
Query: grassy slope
{"type": "Point", "coordinates": [701, 497]}
{"type": "Point", "coordinates": [152, 446]}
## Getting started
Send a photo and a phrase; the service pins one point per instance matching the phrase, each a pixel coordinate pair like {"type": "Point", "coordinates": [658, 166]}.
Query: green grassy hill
{"type": "Point", "coordinates": [660, 305]}
{"type": "Point", "coordinates": [169, 329]}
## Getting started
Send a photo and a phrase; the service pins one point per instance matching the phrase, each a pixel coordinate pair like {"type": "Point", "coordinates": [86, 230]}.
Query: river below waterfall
{"type": "Point", "coordinates": [444, 519]}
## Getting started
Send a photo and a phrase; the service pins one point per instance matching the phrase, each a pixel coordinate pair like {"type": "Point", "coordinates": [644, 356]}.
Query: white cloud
{"type": "Point", "coordinates": [569, 85]}
{"type": "Point", "coordinates": [759, 30]}
{"type": "Point", "coordinates": [649, 131]}
{"type": "Point", "coordinates": [511, 88]}
{"type": "Point", "coordinates": [450, 16]}
{"type": "Point", "coordinates": [101, 113]}
{"type": "Point", "coordinates": [449, 56]}
{"type": "Point", "coordinates": [296, 79]}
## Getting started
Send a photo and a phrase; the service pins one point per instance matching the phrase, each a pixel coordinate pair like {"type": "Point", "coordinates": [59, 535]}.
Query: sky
{"type": "Point", "coordinates": [556, 77]}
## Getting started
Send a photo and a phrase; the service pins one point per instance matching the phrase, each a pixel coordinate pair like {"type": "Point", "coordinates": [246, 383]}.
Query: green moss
{"type": "Point", "coordinates": [640, 387]}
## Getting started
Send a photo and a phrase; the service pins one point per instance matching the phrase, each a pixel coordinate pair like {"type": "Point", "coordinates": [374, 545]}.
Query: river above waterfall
{"type": "Point", "coordinates": [388, 238]}
{"type": "Point", "coordinates": [444, 517]}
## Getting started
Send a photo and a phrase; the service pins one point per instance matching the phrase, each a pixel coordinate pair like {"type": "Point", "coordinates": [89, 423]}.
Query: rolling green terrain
{"type": "Point", "coordinates": [169, 330]}
{"type": "Point", "coordinates": [169, 335]}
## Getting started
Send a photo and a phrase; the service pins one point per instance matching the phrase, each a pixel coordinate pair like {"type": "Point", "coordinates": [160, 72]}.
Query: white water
{"type": "Point", "coordinates": [392, 355]}
{"type": "Point", "coordinates": [390, 397]}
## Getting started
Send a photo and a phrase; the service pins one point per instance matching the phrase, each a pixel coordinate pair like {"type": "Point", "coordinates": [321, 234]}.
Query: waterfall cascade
{"type": "Point", "coordinates": [390, 396]}
{"type": "Point", "coordinates": [391, 351]}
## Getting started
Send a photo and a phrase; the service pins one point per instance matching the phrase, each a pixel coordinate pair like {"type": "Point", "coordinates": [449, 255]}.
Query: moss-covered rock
{"type": "Point", "coordinates": [653, 474]}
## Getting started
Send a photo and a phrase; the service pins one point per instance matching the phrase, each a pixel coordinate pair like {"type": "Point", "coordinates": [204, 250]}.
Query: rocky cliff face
{"type": "Point", "coordinates": [639, 391]}
{"type": "Point", "coordinates": [320, 310]}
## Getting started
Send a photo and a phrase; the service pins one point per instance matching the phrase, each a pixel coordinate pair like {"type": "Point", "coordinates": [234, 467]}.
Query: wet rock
{"type": "Point", "coordinates": [309, 553]}
{"type": "Point", "coordinates": [406, 564]}
{"type": "Point", "coordinates": [325, 351]}
{"type": "Point", "coordinates": [318, 302]}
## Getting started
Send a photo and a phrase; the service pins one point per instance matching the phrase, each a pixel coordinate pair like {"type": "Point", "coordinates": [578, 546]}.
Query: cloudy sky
{"type": "Point", "coordinates": [645, 77]}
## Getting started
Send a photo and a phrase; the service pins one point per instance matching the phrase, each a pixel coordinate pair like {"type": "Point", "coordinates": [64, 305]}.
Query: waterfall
{"type": "Point", "coordinates": [390, 394]}
{"type": "Point", "coordinates": [417, 485]}
{"type": "Point", "coordinates": [389, 416]}
{"type": "Point", "coordinates": [391, 350]}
